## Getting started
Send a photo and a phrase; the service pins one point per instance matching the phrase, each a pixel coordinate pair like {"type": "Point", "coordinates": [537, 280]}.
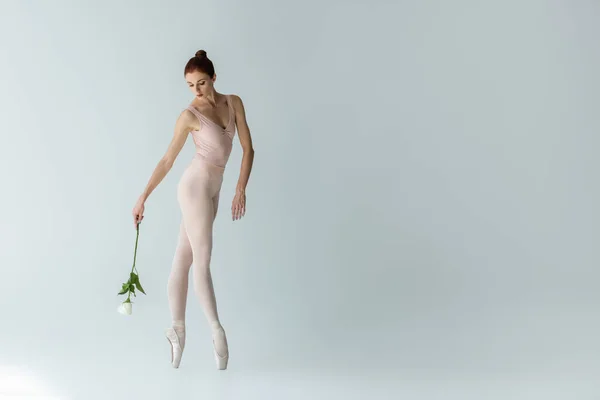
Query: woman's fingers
{"type": "Point", "coordinates": [242, 209]}
{"type": "Point", "coordinates": [138, 214]}
{"type": "Point", "coordinates": [238, 208]}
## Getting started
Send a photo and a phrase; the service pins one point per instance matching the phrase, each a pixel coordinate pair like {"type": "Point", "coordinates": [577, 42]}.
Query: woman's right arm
{"type": "Point", "coordinates": [183, 126]}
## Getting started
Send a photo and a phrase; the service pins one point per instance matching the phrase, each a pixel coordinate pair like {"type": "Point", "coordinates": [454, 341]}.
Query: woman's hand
{"type": "Point", "coordinates": [238, 206]}
{"type": "Point", "coordinates": [138, 212]}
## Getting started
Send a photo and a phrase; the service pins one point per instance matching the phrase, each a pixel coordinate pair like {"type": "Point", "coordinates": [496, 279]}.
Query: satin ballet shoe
{"type": "Point", "coordinates": [221, 361]}
{"type": "Point", "coordinates": [176, 347]}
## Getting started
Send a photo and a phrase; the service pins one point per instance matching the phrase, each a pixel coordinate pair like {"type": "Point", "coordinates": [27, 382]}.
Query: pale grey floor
{"type": "Point", "coordinates": [541, 353]}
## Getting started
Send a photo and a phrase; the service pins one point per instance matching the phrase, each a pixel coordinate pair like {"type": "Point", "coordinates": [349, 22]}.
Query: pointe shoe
{"type": "Point", "coordinates": [176, 347]}
{"type": "Point", "coordinates": [222, 360]}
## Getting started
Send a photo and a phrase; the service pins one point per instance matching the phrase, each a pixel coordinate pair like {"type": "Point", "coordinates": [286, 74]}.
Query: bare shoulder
{"type": "Point", "coordinates": [236, 101]}
{"type": "Point", "coordinates": [186, 115]}
{"type": "Point", "coordinates": [238, 107]}
{"type": "Point", "coordinates": [241, 122]}
{"type": "Point", "coordinates": [187, 121]}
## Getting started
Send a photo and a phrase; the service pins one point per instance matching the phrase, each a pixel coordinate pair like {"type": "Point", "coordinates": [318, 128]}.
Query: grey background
{"type": "Point", "coordinates": [421, 212]}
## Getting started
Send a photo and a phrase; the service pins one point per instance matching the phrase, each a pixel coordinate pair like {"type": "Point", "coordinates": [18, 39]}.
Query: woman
{"type": "Point", "coordinates": [212, 119]}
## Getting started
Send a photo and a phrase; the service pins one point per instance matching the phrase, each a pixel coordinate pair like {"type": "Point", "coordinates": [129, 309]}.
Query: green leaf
{"type": "Point", "coordinates": [124, 288]}
{"type": "Point", "coordinates": [133, 277]}
{"type": "Point", "coordinates": [139, 286]}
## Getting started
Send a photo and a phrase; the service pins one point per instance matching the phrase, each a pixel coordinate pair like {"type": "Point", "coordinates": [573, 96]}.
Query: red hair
{"type": "Point", "coordinates": [200, 62]}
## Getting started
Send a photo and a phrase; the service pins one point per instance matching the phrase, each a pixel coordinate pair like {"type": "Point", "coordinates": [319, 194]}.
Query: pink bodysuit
{"type": "Point", "coordinates": [198, 196]}
{"type": "Point", "coordinates": [213, 142]}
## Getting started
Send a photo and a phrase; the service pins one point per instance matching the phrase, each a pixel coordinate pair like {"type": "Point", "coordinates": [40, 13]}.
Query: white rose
{"type": "Point", "coordinates": [125, 308]}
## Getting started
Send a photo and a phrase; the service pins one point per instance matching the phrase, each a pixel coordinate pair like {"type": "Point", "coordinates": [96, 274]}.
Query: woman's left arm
{"type": "Point", "coordinates": [238, 206]}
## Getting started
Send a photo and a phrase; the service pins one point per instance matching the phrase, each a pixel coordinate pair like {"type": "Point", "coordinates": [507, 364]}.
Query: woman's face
{"type": "Point", "coordinates": [199, 83]}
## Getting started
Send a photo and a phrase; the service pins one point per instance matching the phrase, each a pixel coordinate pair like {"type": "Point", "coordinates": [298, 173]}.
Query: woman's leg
{"type": "Point", "coordinates": [199, 200]}
{"type": "Point", "coordinates": [177, 286]}
{"type": "Point", "coordinates": [219, 336]}
{"type": "Point", "coordinates": [198, 209]}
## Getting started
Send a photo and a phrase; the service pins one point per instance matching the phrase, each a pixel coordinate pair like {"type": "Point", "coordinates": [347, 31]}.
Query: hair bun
{"type": "Point", "coordinates": [201, 53]}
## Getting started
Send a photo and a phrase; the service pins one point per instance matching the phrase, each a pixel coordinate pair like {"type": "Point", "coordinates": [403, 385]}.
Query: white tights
{"type": "Point", "coordinates": [198, 196]}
